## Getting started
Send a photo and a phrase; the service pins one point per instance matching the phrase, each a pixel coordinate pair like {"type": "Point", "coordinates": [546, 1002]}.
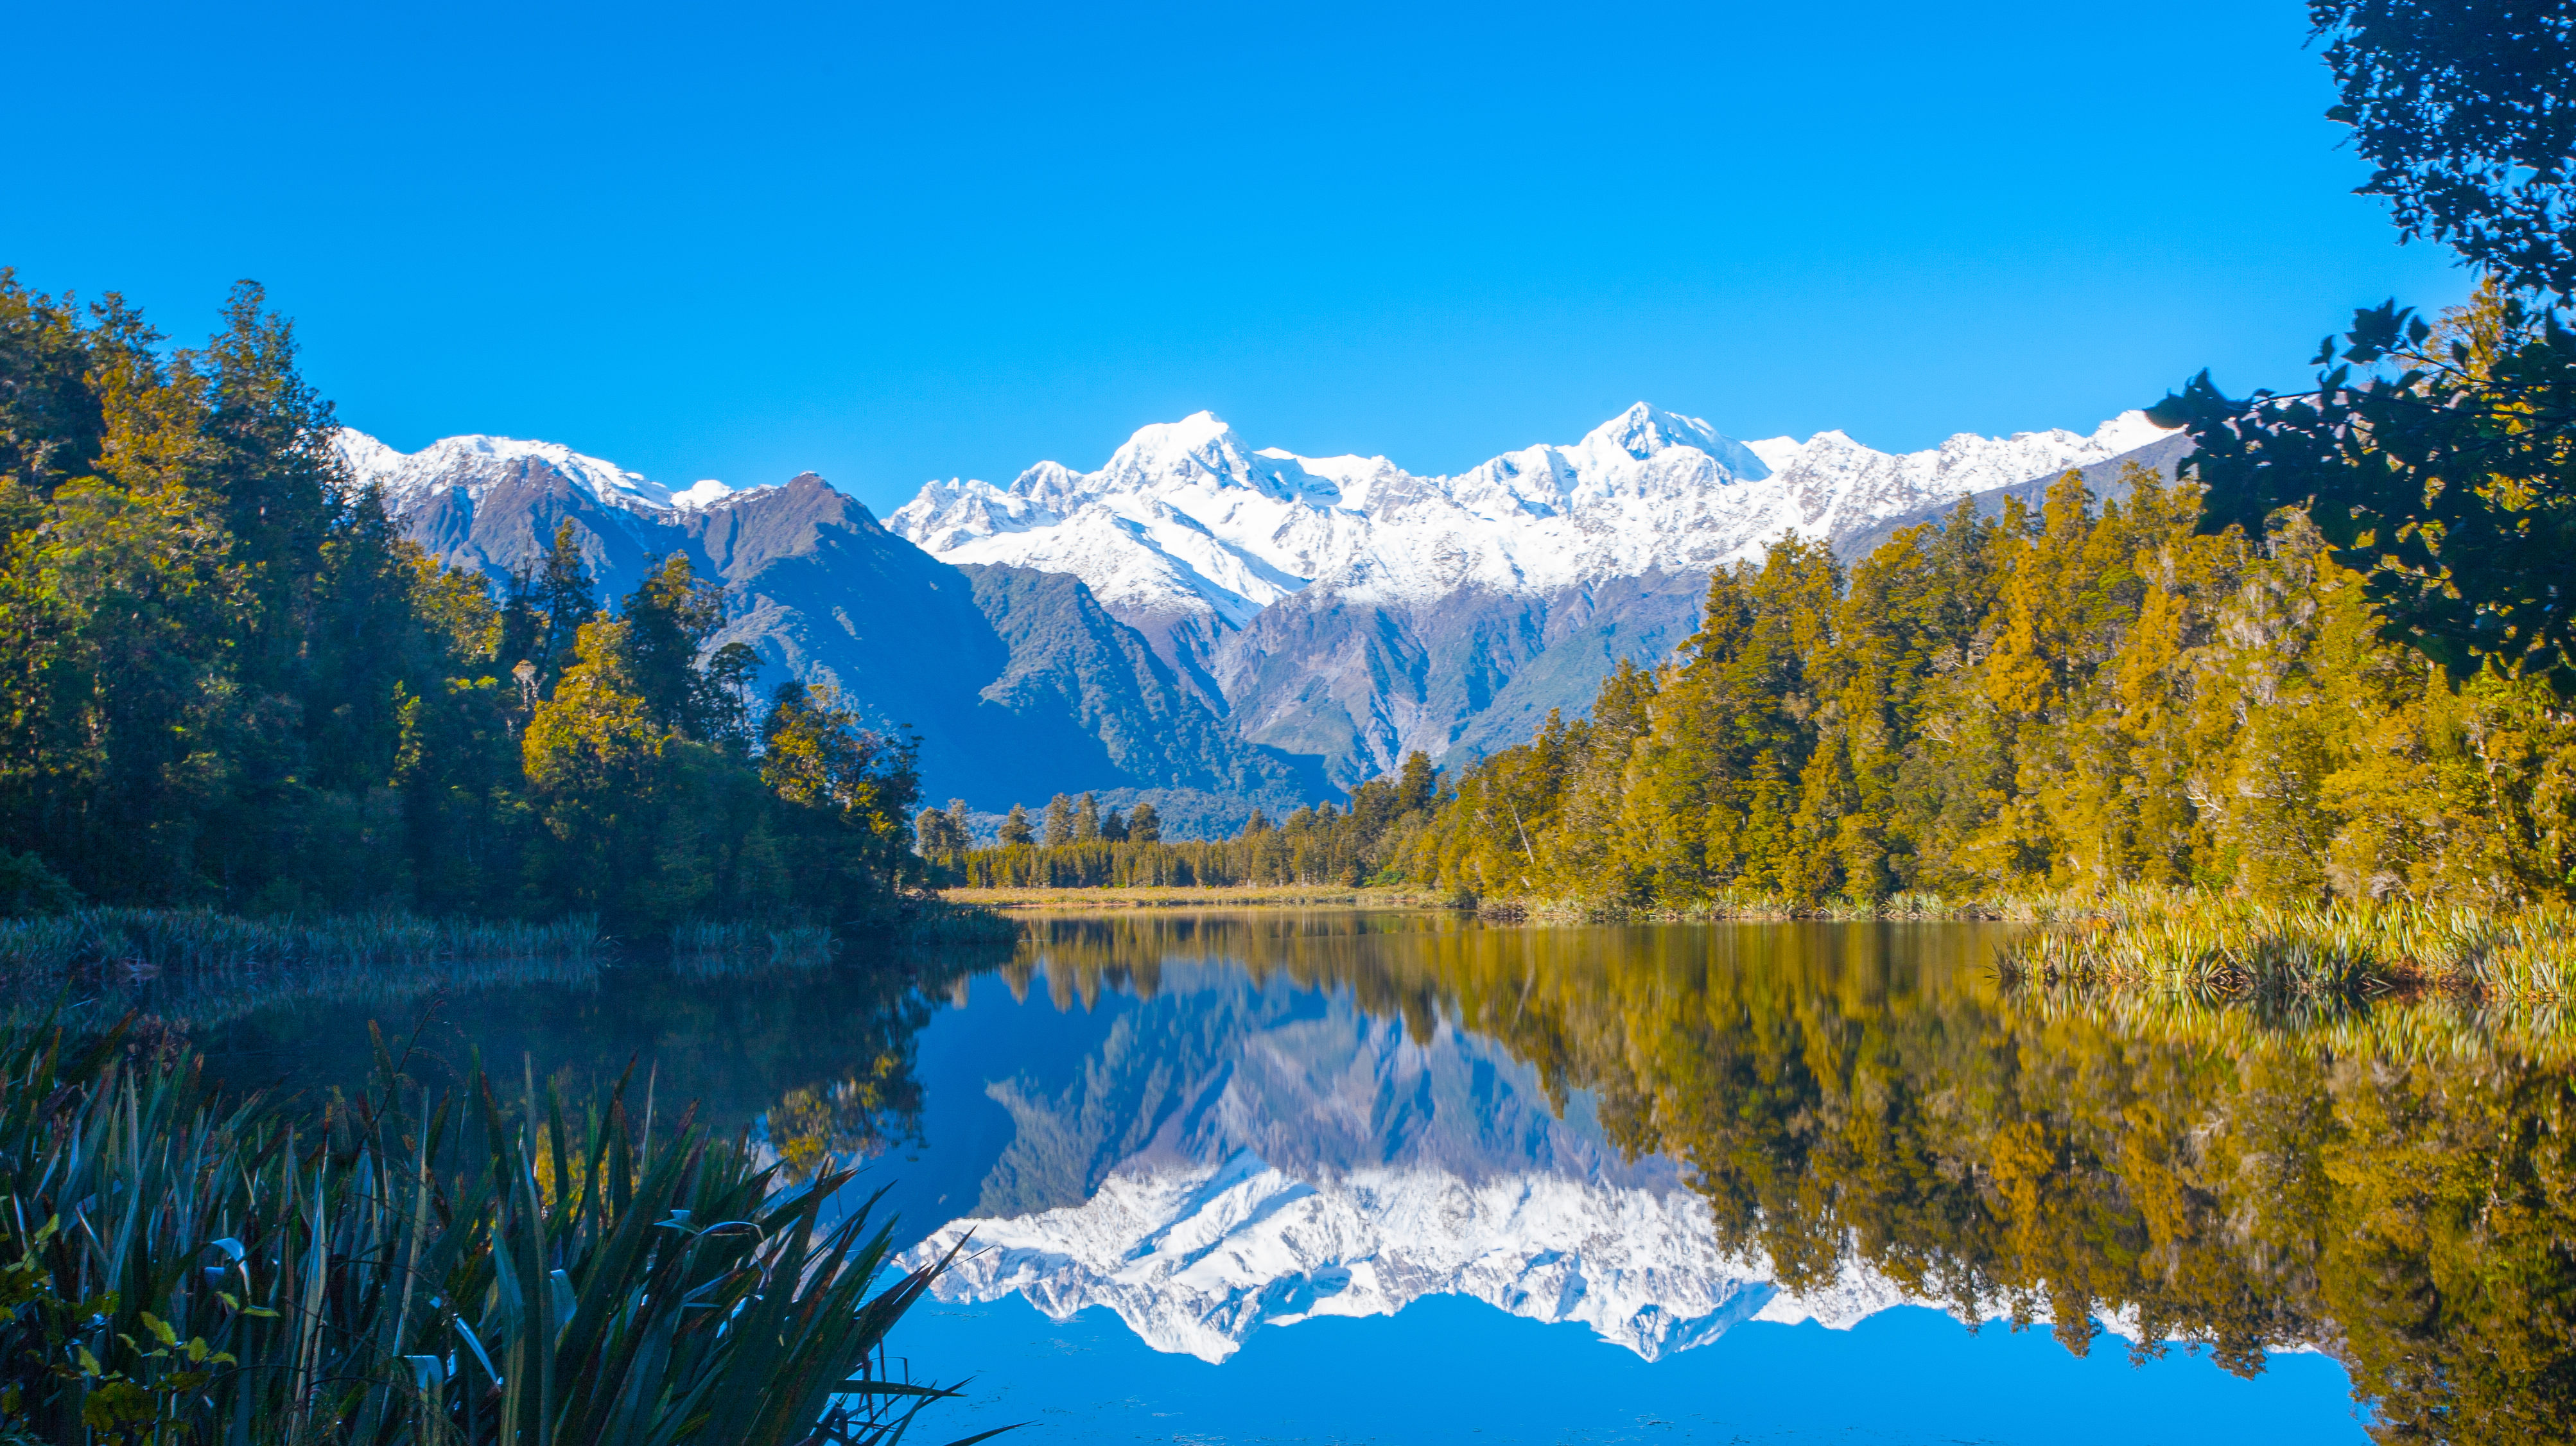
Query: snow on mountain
{"type": "Point", "coordinates": [1316, 1163]}
{"type": "Point", "coordinates": [1193, 1260]}
{"type": "Point", "coordinates": [1340, 611]}
{"type": "Point", "coordinates": [1186, 518]}
{"type": "Point", "coordinates": [475, 465]}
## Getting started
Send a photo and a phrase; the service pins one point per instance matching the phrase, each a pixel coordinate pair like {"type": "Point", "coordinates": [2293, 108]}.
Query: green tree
{"type": "Point", "coordinates": [2447, 485]}
{"type": "Point", "coordinates": [1016, 832]}
{"type": "Point", "coordinates": [668, 620]}
{"type": "Point", "coordinates": [225, 677]}
{"type": "Point", "coordinates": [565, 596]}
{"type": "Point", "coordinates": [2463, 109]}
{"type": "Point", "coordinates": [1145, 825]}
{"type": "Point", "coordinates": [852, 792]}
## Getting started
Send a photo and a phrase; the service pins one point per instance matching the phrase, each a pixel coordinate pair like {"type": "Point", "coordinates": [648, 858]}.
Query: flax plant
{"type": "Point", "coordinates": [404, 1269]}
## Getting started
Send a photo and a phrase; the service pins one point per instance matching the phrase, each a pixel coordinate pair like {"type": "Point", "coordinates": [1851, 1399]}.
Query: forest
{"type": "Point", "coordinates": [2070, 699]}
{"type": "Point", "coordinates": [1079, 846]}
{"type": "Point", "coordinates": [227, 681]}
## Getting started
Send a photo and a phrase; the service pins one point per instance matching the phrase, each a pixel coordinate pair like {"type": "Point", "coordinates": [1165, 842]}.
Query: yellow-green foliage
{"type": "Point", "coordinates": [226, 679]}
{"type": "Point", "coordinates": [2209, 944]}
{"type": "Point", "coordinates": [2077, 699]}
{"type": "Point", "coordinates": [1864, 1094]}
{"type": "Point", "coordinates": [1347, 847]}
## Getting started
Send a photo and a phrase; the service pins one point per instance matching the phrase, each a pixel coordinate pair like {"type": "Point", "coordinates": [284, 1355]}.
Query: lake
{"type": "Point", "coordinates": [1343, 1176]}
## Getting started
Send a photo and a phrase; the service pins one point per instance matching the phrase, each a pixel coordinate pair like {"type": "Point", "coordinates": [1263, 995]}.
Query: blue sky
{"type": "Point", "coordinates": [895, 243]}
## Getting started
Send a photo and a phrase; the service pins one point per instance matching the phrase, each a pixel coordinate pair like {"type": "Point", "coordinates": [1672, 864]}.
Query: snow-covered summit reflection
{"type": "Point", "coordinates": [1252, 1155]}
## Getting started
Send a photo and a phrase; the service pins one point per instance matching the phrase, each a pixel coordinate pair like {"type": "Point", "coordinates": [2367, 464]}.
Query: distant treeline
{"type": "Point", "coordinates": [225, 679]}
{"type": "Point", "coordinates": [1082, 847]}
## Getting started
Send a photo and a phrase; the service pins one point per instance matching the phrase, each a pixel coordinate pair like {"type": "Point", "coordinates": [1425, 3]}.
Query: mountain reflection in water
{"type": "Point", "coordinates": [1211, 1124]}
{"type": "Point", "coordinates": [1663, 1131]}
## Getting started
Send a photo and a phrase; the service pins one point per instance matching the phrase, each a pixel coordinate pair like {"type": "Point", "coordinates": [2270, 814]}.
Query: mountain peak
{"type": "Point", "coordinates": [1642, 431]}
{"type": "Point", "coordinates": [1191, 434]}
{"type": "Point", "coordinates": [1198, 450]}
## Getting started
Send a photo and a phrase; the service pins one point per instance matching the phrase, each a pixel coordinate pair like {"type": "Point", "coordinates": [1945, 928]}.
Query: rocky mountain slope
{"type": "Point", "coordinates": [1342, 607]}
{"type": "Point", "coordinates": [1234, 626]}
{"type": "Point", "coordinates": [1018, 683]}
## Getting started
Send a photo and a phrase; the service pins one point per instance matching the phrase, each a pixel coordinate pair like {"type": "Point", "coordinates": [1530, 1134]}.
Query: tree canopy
{"type": "Point", "coordinates": [226, 678]}
{"type": "Point", "coordinates": [2467, 110]}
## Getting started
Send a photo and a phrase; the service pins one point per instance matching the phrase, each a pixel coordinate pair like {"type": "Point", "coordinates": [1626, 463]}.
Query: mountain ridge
{"type": "Point", "coordinates": [1016, 683]}
{"type": "Point", "coordinates": [1336, 610]}
{"type": "Point", "coordinates": [1345, 606]}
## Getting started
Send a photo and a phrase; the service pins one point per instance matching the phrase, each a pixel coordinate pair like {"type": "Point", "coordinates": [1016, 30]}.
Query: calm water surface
{"type": "Point", "coordinates": [1344, 1176]}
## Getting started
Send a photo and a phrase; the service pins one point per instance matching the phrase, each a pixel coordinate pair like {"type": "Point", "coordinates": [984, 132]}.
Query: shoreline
{"type": "Point", "coordinates": [1181, 896]}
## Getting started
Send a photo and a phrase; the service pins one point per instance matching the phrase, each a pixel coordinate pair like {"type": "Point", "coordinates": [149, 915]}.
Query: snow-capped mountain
{"type": "Point", "coordinates": [476, 465]}
{"type": "Point", "coordinates": [1326, 615]}
{"type": "Point", "coordinates": [1017, 682]}
{"type": "Point", "coordinates": [1185, 518]}
{"type": "Point", "coordinates": [1343, 607]}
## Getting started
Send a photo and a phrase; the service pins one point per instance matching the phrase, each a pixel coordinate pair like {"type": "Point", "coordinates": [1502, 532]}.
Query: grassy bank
{"type": "Point", "coordinates": [1761, 908]}
{"type": "Point", "coordinates": [1176, 896]}
{"type": "Point", "coordinates": [155, 940]}
{"type": "Point", "coordinates": [488, 1267]}
{"type": "Point", "coordinates": [2218, 947]}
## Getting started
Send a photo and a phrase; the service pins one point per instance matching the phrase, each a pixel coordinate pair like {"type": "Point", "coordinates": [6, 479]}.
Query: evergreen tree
{"type": "Point", "coordinates": [1086, 819]}
{"type": "Point", "coordinates": [1418, 784]}
{"type": "Point", "coordinates": [1145, 825]}
{"type": "Point", "coordinates": [667, 621]}
{"type": "Point", "coordinates": [1016, 832]}
{"type": "Point", "coordinates": [565, 595]}
{"type": "Point", "coordinates": [226, 678]}
{"type": "Point", "coordinates": [1059, 821]}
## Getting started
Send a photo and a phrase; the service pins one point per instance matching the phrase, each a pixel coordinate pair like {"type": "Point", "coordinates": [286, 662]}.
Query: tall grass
{"type": "Point", "coordinates": [167, 939]}
{"type": "Point", "coordinates": [406, 1270]}
{"type": "Point", "coordinates": [935, 921]}
{"type": "Point", "coordinates": [196, 967]}
{"type": "Point", "coordinates": [1752, 906]}
{"type": "Point", "coordinates": [2217, 946]}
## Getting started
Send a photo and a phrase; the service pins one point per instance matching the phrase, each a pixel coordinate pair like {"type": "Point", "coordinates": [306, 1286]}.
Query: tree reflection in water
{"type": "Point", "coordinates": [2391, 1184]}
